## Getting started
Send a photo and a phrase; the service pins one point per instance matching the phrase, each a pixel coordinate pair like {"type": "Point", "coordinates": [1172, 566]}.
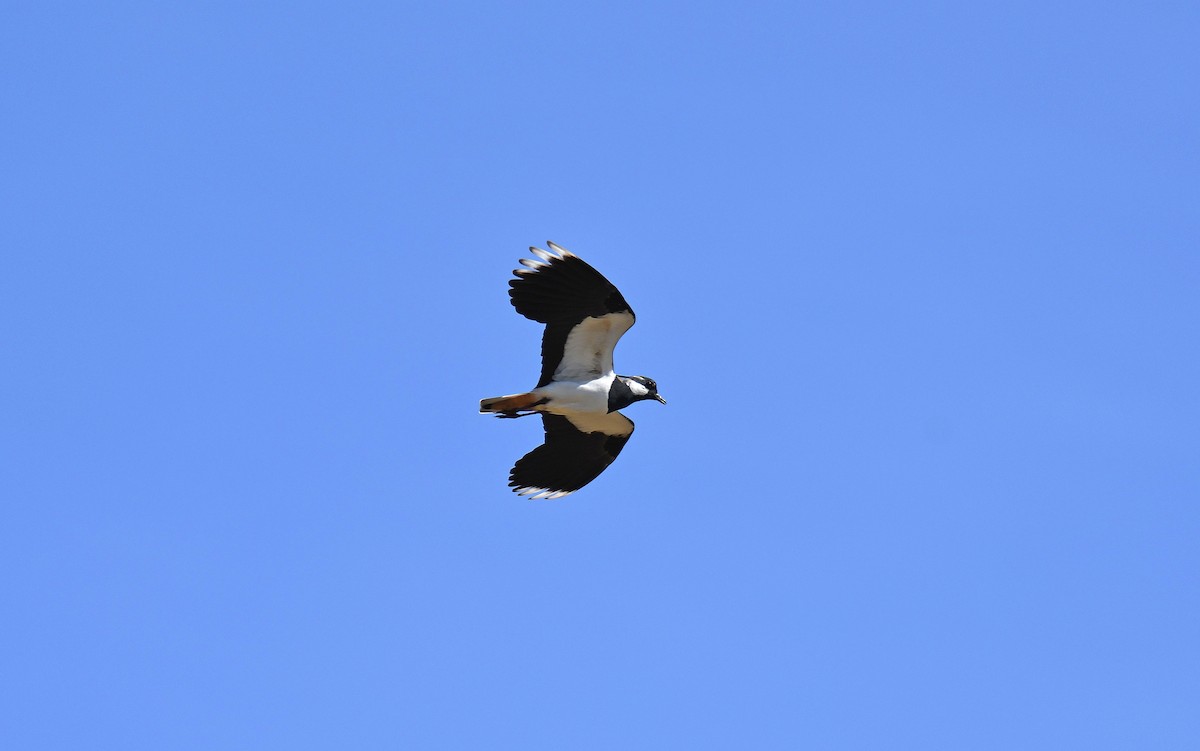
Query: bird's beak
{"type": "Point", "coordinates": [660, 399]}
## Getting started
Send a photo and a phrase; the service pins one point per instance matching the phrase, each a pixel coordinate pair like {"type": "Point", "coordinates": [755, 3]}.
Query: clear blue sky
{"type": "Point", "coordinates": [921, 282]}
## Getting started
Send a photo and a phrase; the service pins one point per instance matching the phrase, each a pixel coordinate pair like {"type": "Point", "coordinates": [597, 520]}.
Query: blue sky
{"type": "Point", "coordinates": [920, 281]}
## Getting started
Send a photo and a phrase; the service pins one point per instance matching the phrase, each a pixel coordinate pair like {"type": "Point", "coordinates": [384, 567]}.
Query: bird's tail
{"type": "Point", "coordinates": [507, 405]}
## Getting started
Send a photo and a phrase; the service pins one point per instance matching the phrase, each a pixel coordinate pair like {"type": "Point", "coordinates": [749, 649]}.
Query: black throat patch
{"type": "Point", "coordinates": [619, 395]}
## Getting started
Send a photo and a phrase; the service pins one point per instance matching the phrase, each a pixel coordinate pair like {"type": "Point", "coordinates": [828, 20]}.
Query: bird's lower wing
{"type": "Point", "coordinates": [576, 451]}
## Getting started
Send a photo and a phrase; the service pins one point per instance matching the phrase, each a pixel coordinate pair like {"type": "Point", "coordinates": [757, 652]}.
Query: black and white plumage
{"type": "Point", "coordinates": [578, 394]}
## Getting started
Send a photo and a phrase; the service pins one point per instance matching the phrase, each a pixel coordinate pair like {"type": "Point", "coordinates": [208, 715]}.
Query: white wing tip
{"type": "Point", "coordinates": [540, 494]}
{"type": "Point", "coordinates": [560, 250]}
{"type": "Point", "coordinates": [549, 258]}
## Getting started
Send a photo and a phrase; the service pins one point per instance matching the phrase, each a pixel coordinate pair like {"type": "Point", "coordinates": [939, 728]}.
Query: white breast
{"type": "Point", "coordinates": [575, 396]}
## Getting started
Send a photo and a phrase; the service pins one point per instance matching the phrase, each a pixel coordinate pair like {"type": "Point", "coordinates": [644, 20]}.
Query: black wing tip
{"type": "Point", "coordinates": [562, 288]}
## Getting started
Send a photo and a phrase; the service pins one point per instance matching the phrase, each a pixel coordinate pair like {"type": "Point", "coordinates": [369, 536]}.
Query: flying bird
{"type": "Point", "coordinates": [578, 394]}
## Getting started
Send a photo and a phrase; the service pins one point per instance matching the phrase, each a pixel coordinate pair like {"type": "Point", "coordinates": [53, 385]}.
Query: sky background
{"type": "Point", "coordinates": [921, 282]}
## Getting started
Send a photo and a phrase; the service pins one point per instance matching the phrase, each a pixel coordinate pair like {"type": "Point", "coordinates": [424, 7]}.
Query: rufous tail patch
{"type": "Point", "coordinates": [510, 403]}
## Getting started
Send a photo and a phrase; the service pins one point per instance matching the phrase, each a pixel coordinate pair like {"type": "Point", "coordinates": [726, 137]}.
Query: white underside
{"type": "Point", "coordinates": [576, 396]}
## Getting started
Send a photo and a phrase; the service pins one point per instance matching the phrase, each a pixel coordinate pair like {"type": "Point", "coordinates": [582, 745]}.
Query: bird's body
{"type": "Point", "coordinates": [563, 397]}
{"type": "Point", "coordinates": [578, 394]}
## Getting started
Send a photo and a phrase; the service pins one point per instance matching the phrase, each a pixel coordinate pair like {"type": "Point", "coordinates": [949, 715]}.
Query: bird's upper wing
{"type": "Point", "coordinates": [584, 314]}
{"type": "Point", "coordinates": [577, 449]}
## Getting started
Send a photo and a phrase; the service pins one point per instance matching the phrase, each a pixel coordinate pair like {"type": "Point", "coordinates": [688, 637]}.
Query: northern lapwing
{"type": "Point", "coordinates": [578, 394]}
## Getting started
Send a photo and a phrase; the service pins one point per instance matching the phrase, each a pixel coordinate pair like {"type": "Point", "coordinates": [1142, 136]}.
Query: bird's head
{"type": "Point", "coordinates": [644, 388]}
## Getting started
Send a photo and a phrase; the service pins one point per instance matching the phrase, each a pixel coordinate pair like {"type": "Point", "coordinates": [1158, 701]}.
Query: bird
{"type": "Point", "coordinates": [579, 394]}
